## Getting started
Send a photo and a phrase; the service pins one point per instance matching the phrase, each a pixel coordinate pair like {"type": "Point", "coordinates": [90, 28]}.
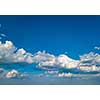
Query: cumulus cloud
{"type": "Point", "coordinates": [90, 59]}
{"type": "Point", "coordinates": [12, 74]}
{"type": "Point", "coordinates": [66, 62]}
{"type": "Point", "coordinates": [10, 54]}
{"type": "Point", "coordinates": [91, 68]}
{"type": "Point", "coordinates": [88, 62]}
{"type": "Point", "coordinates": [65, 75]}
{"type": "Point", "coordinates": [44, 59]}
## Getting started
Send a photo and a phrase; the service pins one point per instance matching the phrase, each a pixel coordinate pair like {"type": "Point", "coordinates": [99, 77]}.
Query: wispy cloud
{"type": "Point", "coordinates": [3, 35]}
{"type": "Point", "coordinates": [98, 48]}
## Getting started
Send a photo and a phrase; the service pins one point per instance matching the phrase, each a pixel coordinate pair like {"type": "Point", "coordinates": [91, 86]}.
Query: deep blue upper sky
{"type": "Point", "coordinates": [75, 35]}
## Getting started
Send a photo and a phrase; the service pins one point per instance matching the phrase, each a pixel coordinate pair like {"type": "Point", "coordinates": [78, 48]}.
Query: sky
{"type": "Point", "coordinates": [74, 35]}
{"type": "Point", "coordinates": [50, 45]}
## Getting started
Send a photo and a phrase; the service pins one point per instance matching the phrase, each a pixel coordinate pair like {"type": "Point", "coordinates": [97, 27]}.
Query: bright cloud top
{"type": "Point", "coordinates": [87, 63]}
{"type": "Point", "coordinates": [10, 54]}
{"type": "Point", "coordinates": [46, 59]}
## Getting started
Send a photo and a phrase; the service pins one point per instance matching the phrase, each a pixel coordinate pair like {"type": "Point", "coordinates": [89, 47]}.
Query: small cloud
{"type": "Point", "coordinates": [12, 74]}
{"type": "Point", "coordinates": [97, 48]}
{"type": "Point", "coordinates": [66, 52]}
{"type": "Point", "coordinates": [3, 35]}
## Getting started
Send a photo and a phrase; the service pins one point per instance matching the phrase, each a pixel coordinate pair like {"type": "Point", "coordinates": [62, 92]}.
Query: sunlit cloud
{"type": "Point", "coordinates": [9, 54]}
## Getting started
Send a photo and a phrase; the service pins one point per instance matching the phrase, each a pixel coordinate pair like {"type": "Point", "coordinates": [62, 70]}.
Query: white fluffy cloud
{"type": "Point", "coordinates": [10, 54]}
{"type": "Point", "coordinates": [44, 59]}
{"type": "Point", "coordinates": [88, 62]}
{"type": "Point", "coordinates": [66, 62]}
{"type": "Point", "coordinates": [90, 59]}
{"type": "Point", "coordinates": [12, 74]}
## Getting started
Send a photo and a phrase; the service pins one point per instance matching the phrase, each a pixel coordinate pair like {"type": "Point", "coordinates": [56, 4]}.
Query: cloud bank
{"type": "Point", "coordinates": [10, 54]}
{"type": "Point", "coordinates": [87, 62]}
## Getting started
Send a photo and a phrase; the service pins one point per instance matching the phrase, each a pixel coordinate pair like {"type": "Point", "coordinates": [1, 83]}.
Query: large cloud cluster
{"type": "Point", "coordinates": [44, 59]}
{"type": "Point", "coordinates": [10, 54]}
{"type": "Point", "coordinates": [87, 63]}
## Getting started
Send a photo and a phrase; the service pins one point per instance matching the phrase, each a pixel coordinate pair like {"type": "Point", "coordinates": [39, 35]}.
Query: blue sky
{"type": "Point", "coordinates": [75, 35]}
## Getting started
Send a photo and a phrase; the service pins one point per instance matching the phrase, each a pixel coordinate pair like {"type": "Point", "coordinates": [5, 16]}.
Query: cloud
{"type": "Point", "coordinates": [98, 48]}
{"type": "Point", "coordinates": [10, 54]}
{"type": "Point", "coordinates": [3, 35]}
{"type": "Point", "coordinates": [44, 59]}
{"type": "Point", "coordinates": [90, 59]}
{"type": "Point", "coordinates": [66, 62]}
{"type": "Point", "coordinates": [87, 63]}
{"type": "Point", "coordinates": [12, 74]}
{"type": "Point", "coordinates": [92, 68]}
{"type": "Point", "coordinates": [60, 66]}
